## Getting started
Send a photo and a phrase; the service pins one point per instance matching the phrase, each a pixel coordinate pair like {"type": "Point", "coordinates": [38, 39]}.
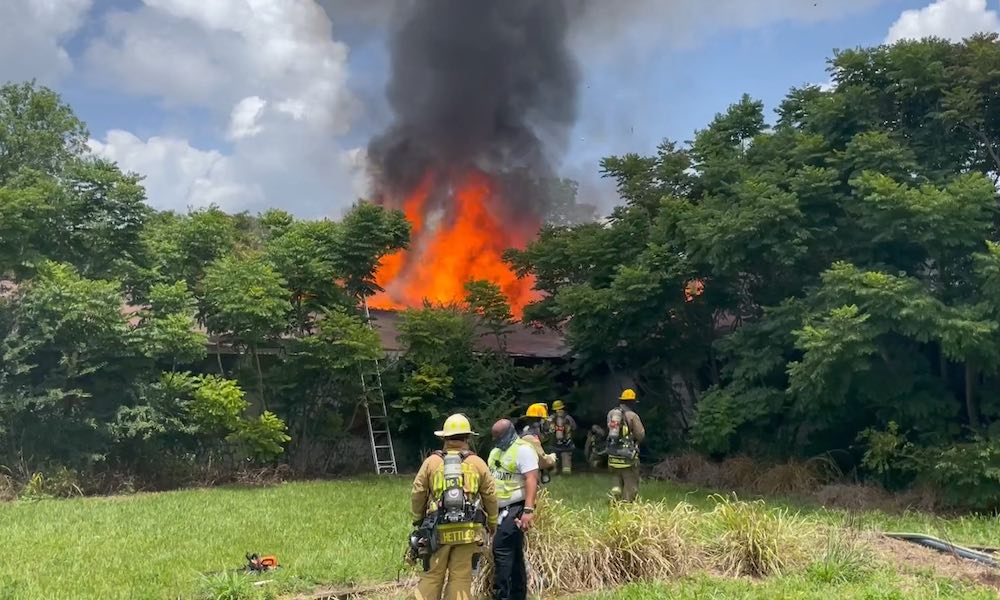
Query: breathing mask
{"type": "Point", "coordinates": [508, 438]}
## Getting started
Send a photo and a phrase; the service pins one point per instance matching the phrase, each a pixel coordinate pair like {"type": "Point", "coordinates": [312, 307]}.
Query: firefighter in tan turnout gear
{"type": "Point", "coordinates": [536, 417]}
{"type": "Point", "coordinates": [625, 433]}
{"type": "Point", "coordinates": [454, 496]}
{"type": "Point", "coordinates": [562, 426]}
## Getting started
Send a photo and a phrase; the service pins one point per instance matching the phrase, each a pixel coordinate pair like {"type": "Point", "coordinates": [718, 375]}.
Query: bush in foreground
{"type": "Point", "coordinates": [580, 550]}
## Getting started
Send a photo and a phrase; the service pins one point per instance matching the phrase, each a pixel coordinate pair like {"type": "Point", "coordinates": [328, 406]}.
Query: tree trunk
{"type": "Point", "coordinates": [218, 356]}
{"type": "Point", "coordinates": [260, 376]}
{"type": "Point", "coordinates": [943, 365]}
{"type": "Point", "coordinates": [972, 409]}
{"type": "Point", "coordinates": [716, 379]}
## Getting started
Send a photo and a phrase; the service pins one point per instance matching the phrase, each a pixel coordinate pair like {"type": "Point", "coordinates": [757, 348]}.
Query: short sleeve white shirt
{"type": "Point", "coordinates": [526, 459]}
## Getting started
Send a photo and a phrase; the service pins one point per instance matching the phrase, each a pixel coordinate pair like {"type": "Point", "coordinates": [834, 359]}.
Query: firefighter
{"type": "Point", "coordinates": [595, 447]}
{"type": "Point", "coordinates": [562, 426]}
{"type": "Point", "coordinates": [625, 433]}
{"type": "Point", "coordinates": [514, 464]}
{"type": "Point", "coordinates": [535, 418]}
{"type": "Point", "coordinates": [454, 495]}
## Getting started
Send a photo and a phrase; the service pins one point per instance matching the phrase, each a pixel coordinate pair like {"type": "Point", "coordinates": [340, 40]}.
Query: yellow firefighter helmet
{"type": "Point", "coordinates": [538, 410]}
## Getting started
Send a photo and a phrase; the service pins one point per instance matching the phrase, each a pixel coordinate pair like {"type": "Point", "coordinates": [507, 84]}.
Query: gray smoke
{"type": "Point", "coordinates": [477, 83]}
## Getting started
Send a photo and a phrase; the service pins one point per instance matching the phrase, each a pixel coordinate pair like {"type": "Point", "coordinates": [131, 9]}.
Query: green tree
{"type": "Point", "coordinates": [102, 217]}
{"type": "Point", "coordinates": [38, 131]}
{"type": "Point", "coordinates": [59, 202]}
{"type": "Point", "coordinates": [201, 414]}
{"type": "Point", "coordinates": [487, 301]}
{"type": "Point", "coordinates": [320, 382]}
{"type": "Point", "coordinates": [66, 365]}
{"type": "Point", "coordinates": [367, 234]}
{"type": "Point", "coordinates": [182, 246]}
{"type": "Point", "coordinates": [245, 299]}
{"type": "Point", "coordinates": [562, 206]}
{"type": "Point", "coordinates": [305, 256]}
{"type": "Point", "coordinates": [442, 372]}
{"type": "Point", "coordinates": [847, 247]}
{"type": "Point", "coordinates": [167, 331]}
{"type": "Point", "coordinates": [23, 236]}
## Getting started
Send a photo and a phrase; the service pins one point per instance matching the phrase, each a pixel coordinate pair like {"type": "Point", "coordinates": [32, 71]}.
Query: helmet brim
{"type": "Point", "coordinates": [445, 435]}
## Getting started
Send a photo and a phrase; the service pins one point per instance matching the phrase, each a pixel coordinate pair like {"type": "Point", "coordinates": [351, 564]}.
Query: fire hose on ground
{"type": "Point", "coordinates": [976, 555]}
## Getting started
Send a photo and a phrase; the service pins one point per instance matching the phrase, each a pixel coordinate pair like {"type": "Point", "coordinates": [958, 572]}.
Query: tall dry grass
{"type": "Point", "coordinates": [571, 551]}
{"type": "Point", "coordinates": [749, 538]}
{"type": "Point", "coordinates": [818, 479]}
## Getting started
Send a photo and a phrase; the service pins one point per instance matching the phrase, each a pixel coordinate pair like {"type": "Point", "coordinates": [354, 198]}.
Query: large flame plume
{"type": "Point", "coordinates": [460, 228]}
{"type": "Point", "coordinates": [483, 94]}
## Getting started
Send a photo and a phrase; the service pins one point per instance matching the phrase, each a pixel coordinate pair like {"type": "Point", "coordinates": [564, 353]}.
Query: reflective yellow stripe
{"type": "Point", "coordinates": [470, 484]}
{"type": "Point", "coordinates": [509, 482]}
{"type": "Point", "coordinates": [464, 533]}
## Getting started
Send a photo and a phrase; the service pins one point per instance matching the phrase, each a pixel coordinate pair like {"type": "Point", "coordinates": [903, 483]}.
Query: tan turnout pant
{"type": "Point", "coordinates": [451, 563]}
{"type": "Point", "coordinates": [628, 481]}
{"type": "Point", "coordinates": [566, 462]}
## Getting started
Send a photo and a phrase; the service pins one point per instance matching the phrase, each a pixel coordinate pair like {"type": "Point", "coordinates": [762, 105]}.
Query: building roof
{"type": "Point", "coordinates": [523, 340]}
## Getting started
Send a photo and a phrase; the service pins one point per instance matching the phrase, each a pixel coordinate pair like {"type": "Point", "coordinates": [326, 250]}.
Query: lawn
{"type": "Point", "coordinates": [882, 585]}
{"type": "Point", "coordinates": [168, 545]}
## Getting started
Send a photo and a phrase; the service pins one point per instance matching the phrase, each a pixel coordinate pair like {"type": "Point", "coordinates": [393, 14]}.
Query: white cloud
{"type": "Point", "coordinates": [32, 33]}
{"type": "Point", "coordinates": [266, 72]}
{"type": "Point", "coordinates": [311, 177]}
{"type": "Point", "coordinates": [949, 19]}
{"type": "Point", "coordinates": [214, 54]}
{"type": "Point", "coordinates": [244, 120]}
{"type": "Point", "coordinates": [609, 30]}
{"type": "Point", "coordinates": [178, 175]}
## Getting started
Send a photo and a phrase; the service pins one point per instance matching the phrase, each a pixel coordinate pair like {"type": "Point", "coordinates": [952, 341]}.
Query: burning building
{"type": "Point", "coordinates": [483, 94]}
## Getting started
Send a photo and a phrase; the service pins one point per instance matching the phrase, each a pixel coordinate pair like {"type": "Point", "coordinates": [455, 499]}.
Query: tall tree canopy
{"type": "Point", "coordinates": [845, 256]}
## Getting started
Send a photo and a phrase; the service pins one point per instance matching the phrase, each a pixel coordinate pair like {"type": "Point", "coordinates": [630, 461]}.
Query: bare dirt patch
{"type": "Point", "coordinates": [912, 557]}
{"type": "Point", "coordinates": [384, 591]}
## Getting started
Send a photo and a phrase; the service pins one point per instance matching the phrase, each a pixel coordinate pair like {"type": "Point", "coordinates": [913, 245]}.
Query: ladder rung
{"type": "Point", "coordinates": [378, 413]}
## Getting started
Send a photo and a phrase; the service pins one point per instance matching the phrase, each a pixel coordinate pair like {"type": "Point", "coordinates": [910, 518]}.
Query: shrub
{"type": "Point", "coordinates": [8, 487]}
{"type": "Point", "coordinates": [572, 551]}
{"type": "Point", "coordinates": [263, 438]}
{"type": "Point", "coordinates": [790, 479]}
{"type": "Point", "coordinates": [852, 496]}
{"type": "Point", "coordinates": [62, 483]}
{"type": "Point", "coordinates": [34, 489]}
{"type": "Point", "coordinates": [968, 475]}
{"type": "Point", "coordinates": [647, 542]}
{"type": "Point", "coordinates": [845, 560]}
{"type": "Point", "coordinates": [738, 472]}
{"type": "Point", "coordinates": [747, 538]}
{"type": "Point", "coordinates": [689, 467]}
{"type": "Point", "coordinates": [886, 448]}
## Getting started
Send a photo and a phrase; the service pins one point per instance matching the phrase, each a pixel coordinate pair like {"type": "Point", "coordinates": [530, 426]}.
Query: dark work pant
{"type": "Point", "coordinates": [510, 577]}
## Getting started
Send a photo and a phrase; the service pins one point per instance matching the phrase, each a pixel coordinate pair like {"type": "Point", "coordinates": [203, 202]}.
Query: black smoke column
{"type": "Point", "coordinates": [477, 83]}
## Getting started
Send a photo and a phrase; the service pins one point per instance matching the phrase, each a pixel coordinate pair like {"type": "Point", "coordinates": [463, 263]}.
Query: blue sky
{"type": "Point", "coordinates": [250, 103]}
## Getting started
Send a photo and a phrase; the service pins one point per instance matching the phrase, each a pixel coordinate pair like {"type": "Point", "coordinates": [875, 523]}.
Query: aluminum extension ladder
{"type": "Point", "coordinates": [383, 453]}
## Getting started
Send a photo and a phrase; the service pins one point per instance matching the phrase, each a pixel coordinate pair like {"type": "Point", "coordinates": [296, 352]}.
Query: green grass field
{"type": "Point", "coordinates": [168, 545]}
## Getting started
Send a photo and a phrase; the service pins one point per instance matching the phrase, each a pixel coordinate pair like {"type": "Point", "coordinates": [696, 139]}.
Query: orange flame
{"type": "Point", "coordinates": [458, 239]}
